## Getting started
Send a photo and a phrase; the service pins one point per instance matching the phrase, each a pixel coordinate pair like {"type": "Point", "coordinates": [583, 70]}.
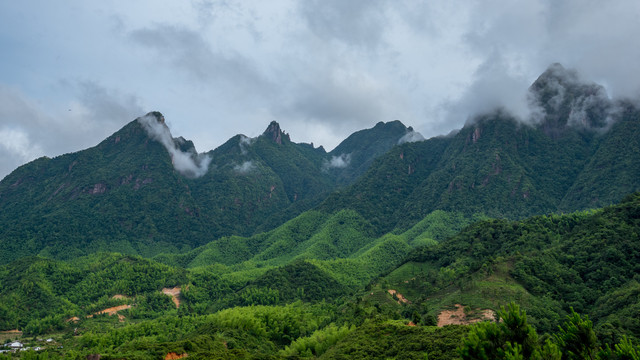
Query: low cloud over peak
{"type": "Point", "coordinates": [324, 69]}
{"type": "Point", "coordinates": [189, 164]}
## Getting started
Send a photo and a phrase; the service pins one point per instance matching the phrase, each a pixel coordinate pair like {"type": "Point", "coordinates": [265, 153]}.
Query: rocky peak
{"type": "Point", "coordinates": [158, 115]}
{"type": "Point", "coordinates": [563, 100]}
{"type": "Point", "coordinates": [274, 133]}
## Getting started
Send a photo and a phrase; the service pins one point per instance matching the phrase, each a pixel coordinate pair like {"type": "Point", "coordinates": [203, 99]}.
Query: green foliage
{"type": "Point", "coordinates": [43, 293]}
{"type": "Point", "coordinates": [363, 147]}
{"type": "Point", "coordinates": [497, 167]}
{"type": "Point", "coordinates": [317, 343]}
{"type": "Point", "coordinates": [128, 185]}
{"type": "Point", "coordinates": [300, 280]}
{"type": "Point", "coordinates": [437, 226]}
{"type": "Point", "coordinates": [261, 277]}
{"type": "Point", "coordinates": [514, 339]}
{"type": "Point", "coordinates": [281, 324]}
{"type": "Point", "coordinates": [585, 260]}
{"type": "Point", "coordinates": [383, 340]}
{"type": "Point", "coordinates": [511, 338]}
{"type": "Point", "coordinates": [576, 338]}
{"type": "Point", "coordinates": [624, 350]}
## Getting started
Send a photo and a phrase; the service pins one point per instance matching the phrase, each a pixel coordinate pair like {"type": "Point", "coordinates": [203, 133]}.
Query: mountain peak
{"type": "Point", "coordinates": [157, 115]}
{"type": "Point", "coordinates": [555, 75]}
{"type": "Point", "coordinates": [565, 100]}
{"type": "Point", "coordinates": [275, 133]}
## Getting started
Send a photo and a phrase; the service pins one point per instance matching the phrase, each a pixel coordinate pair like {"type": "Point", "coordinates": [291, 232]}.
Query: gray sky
{"type": "Point", "coordinates": [75, 71]}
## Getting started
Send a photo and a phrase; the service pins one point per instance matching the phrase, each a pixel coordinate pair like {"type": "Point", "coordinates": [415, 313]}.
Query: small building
{"type": "Point", "coordinates": [16, 345]}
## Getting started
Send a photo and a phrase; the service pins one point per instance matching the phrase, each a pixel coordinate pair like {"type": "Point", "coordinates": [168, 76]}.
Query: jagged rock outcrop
{"type": "Point", "coordinates": [276, 134]}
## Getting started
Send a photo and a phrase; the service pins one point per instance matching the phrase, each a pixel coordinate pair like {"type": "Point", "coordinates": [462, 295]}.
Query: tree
{"type": "Point", "coordinates": [511, 338]}
{"type": "Point", "coordinates": [576, 338]}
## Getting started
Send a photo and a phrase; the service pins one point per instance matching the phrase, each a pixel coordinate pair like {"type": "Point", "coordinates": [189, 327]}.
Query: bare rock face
{"type": "Point", "coordinates": [275, 133]}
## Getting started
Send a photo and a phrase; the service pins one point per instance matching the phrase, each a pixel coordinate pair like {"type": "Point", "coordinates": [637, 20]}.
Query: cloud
{"type": "Point", "coordinates": [323, 69]}
{"type": "Point", "coordinates": [186, 50]}
{"type": "Point", "coordinates": [189, 164]}
{"type": "Point", "coordinates": [338, 96]}
{"type": "Point", "coordinates": [29, 130]}
{"type": "Point", "coordinates": [15, 149]}
{"type": "Point", "coordinates": [338, 162]}
{"type": "Point", "coordinates": [411, 136]}
{"type": "Point", "coordinates": [107, 105]}
{"type": "Point", "coordinates": [245, 142]}
{"type": "Point", "coordinates": [494, 86]}
{"type": "Point", "coordinates": [518, 40]}
{"type": "Point", "coordinates": [359, 23]}
{"type": "Point", "coordinates": [245, 168]}
{"type": "Point", "coordinates": [558, 89]}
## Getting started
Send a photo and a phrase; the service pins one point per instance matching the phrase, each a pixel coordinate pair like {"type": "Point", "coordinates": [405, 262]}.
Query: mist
{"type": "Point", "coordinates": [411, 136]}
{"type": "Point", "coordinates": [339, 162]}
{"type": "Point", "coordinates": [245, 168]}
{"type": "Point", "coordinates": [191, 165]}
{"type": "Point", "coordinates": [324, 69]}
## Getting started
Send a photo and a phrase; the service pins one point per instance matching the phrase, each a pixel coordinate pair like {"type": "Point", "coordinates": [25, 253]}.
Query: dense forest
{"type": "Point", "coordinates": [562, 284]}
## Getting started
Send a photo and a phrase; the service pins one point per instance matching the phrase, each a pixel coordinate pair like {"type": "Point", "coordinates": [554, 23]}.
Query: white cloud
{"type": "Point", "coordinates": [323, 69]}
{"type": "Point", "coordinates": [411, 136]}
{"type": "Point", "coordinates": [341, 161]}
{"type": "Point", "coordinates": [188, 164]}
{"type": "Point", "coordinates": [16, 144]}
{"type": "Point", "coordinates": [245, 143]}
{"type": "Point", "coordinates": [245, 168]}
{"type": "Point", "coordinates": [29, 130]}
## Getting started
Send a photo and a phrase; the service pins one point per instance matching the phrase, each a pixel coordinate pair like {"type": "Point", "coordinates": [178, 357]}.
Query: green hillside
{"type": "Point", "coordinates": [503, 240]}
{"type": "Point", "coordinates": [549, 264]}
{"type": "Point", "coordinates": [362, 147]}
{"type": "Point", "coordinates": [579, 153]}
{"type": "Point", "coordinates": [342, 307]}
{"type": "Point", "coordinates": [126, 195]}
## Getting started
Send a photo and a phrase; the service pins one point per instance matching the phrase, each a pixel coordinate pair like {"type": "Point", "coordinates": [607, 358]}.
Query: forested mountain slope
{"type": "Point", "coordinates": [587, 261]}
{"type": "Point", "coordinates": [580, 151]}
{"type": "Point", "coordinates": [141, 191]}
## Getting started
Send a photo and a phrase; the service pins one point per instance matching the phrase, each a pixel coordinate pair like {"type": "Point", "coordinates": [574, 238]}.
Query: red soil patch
{"type": "Point", "coordinates": [174, 293]}
{"type": "Point", "coordinates": [172, 356]}
{"type": "Point", "coordinates": [401, 299]}
{"type": "Point", "coordinates": [458, 317]}
{"type": "Point", "coordinates": [16, 331]}
{"type": "Point", "coordinates": [74, 319]}
{"type": "Point", "coordinates": [113, 310]}
{"type": "Point", "coordinates": [411, 323]}
{"type": "Point", "coordinates": [119, 297]}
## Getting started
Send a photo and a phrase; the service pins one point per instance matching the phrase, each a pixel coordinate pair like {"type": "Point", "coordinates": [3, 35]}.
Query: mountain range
{"type": "Point", "coordinates": [283, 249]}
{"type": "Point", "coordinates": [141, 191]}
{"type": "Point", "coordinates": [126, 195]}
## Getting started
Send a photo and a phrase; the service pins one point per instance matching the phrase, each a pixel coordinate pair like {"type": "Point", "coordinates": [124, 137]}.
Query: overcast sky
{"type": "Point", "coordinates": [75, 71]}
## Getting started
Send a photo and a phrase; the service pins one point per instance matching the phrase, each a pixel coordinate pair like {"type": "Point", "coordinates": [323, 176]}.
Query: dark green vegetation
{"type": "Point", "coordinates": [500, 167]}
{"type": "Point", "coordinates": [513, 338]}
{"type": "Point", "coordinates": [551, 265]}
{"type": "Point", "coordinates": [282, 250]}
{"type": "Point", "coordinates": [124, 194]}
